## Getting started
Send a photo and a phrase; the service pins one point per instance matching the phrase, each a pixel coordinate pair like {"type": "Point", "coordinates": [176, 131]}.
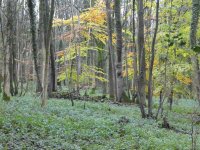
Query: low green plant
{"type": "Point", "coordinates": [25, 125]}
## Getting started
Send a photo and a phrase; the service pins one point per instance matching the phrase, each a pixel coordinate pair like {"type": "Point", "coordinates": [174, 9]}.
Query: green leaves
{"type": "Point", "coordinates": [196, 49]}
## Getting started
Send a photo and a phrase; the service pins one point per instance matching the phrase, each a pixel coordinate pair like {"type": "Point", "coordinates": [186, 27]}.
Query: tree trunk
{"type": "Point", "coordinates": [119, 50]}
{"type": "Point", "coordinates": [193, 32]}
{"type": "Point", "coordinates": [11, 37]}
{"type": "Point", "coordinates": [134, 49]}
{"type": "Point", "coordinates": [150, 85]}
{"type": "Point", "coordinates": [6, 75]}
{"type": "Point", "coordinates": [53, 68]}
{"type": "Point", "coordinates": [141, 54]}
{"type": "Point", "coordinates": [31, 6]}
{"type": "Point", "coordinates": [47, 27]}
{"type": "Point", "coordinates": [112, 74]}
{"type": "Point", "coordinates": [2, 37]}
{"type": "Point", "coordinates": [41, 48]}
{"type": "Point", "coordinates": [126, 50]}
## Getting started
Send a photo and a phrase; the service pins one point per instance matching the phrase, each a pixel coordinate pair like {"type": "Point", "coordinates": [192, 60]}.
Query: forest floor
{"type": "Point", "coordinates": [92, 126]}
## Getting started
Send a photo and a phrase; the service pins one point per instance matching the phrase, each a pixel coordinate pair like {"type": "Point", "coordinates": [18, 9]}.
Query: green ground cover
{"type": "Point", "coordinates": [91, 126]}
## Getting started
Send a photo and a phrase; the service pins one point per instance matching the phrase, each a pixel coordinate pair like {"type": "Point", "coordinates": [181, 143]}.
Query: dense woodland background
{"type": "Point", "coordinates": [125, 52]}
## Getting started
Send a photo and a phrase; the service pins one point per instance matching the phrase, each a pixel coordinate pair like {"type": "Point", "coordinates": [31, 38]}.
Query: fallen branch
{"type": "Point", "coordinates": [77, 96]}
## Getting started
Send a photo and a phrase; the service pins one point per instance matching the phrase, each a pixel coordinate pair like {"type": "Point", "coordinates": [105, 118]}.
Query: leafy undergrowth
{"type": "Point", "coordinates": [25, 125]}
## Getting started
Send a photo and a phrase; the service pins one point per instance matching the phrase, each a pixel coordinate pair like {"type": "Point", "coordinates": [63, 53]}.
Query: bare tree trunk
{"type": "Point", "coordinates": [119, 50]}
{"type": "Point", "coordinates": [6, 92]}
{"type": "Point", "coordinates": [194, 22]}
{"type": "Point", "coordinates": [6, 76]}
{"type": "Point", "coordinates": [53, 68]}
{"type": "Point", "coordinates": [6, 82]}
{"type": "Point", "coordinates": [78, 56]}
{"type": "Point", "coordinates": [141, 54]}
{"type": "Point", "coordinates": [193, 32]}
{"type": "Point", "coordinates": [125, 50]}
{"type": "Point", "coordinates": [11, 37]}
{"type": "Point", "coordinates": [135, 77]}
{"type": "Point", "coordinates": [112, 71]}
{"type": "Point", "coordinates": [41, 48]}
{"type": "Point", "coordinates": [150, 85]}
{"type": "Point", "coordinates": [48, 19]}
{"type": "Point", "coordinates": [31, 6]}
{"type": "Point", "coordinates": [2, 38]}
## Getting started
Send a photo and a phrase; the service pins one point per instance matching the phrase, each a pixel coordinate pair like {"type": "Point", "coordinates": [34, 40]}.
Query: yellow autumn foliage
{"type": "Point", "coordinates": [183, 79]}
{"type": "Point", "coordinates": [92, 24]}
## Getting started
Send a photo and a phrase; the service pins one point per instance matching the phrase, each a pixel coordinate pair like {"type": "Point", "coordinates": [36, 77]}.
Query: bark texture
{"type": "Point", "coordinates": [141, 55]}
{"type": "Point", "coordinates": [112, 75]}
{"type": "Point", "coordinates": [118, 27]}
{"type": "Point", "coordinates": [31, 6]}
{"type": "Point", "coordinates": [150, 84]}
{"type": "Point", "coordinates": [47, 27]}
{"type": "Point", "coordinates": [195, 60]}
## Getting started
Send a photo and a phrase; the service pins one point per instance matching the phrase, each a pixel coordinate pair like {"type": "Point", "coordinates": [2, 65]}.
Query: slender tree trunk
{"type": "Point", "coordinates": [193, 32]}
{"type": "Point", "coordinates": [76, 41]}
{"type": "Point", "coordinates": [2, 38]}
{"type": "Point", "coordinates": [135, 76]}
{"type": "Point", "coordinates": [194, 22]}
{"type": "Point", "coordinates": [31, 6]}
{"type": "Point", "coordinates": [150, 85]}
{"type": "Point", "coordinates": [112, 71]}
{"type": "Point", "coordinates": [6, 81]}
{"type": "Point", "coordinates": [41, 48]}
{"type": "Point", "coordinates": [119, 50]}
{"type": "Point", "coordinates": [78, 60]}
{"type": "Point", "coordinates": [53, 67]}
{"type": "Point", "coordinates": [48, 19]}
{"type": "Point", "coordinates": [11, 28]}
{"type": "Point", "coordinates": [6, 76]}
{"type": "Point", "coordinates": [14, 51]}
{"type": "Point", "coordinates": [126, 50]}
{"type": "Point", "coordinates": [141, 54]}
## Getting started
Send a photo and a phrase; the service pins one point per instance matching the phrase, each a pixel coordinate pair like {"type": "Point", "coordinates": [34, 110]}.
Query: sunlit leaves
{"type": "Point", "coordinates": [92, 72]}
{"type": "Point", "coordinates": [89, 25]}
{"type": "Point", "coordinates": [186, 80]}
{"type": "Point", "coordinates": [88, 73]}
{"type": "Point", "coordinates": [70, 52]}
